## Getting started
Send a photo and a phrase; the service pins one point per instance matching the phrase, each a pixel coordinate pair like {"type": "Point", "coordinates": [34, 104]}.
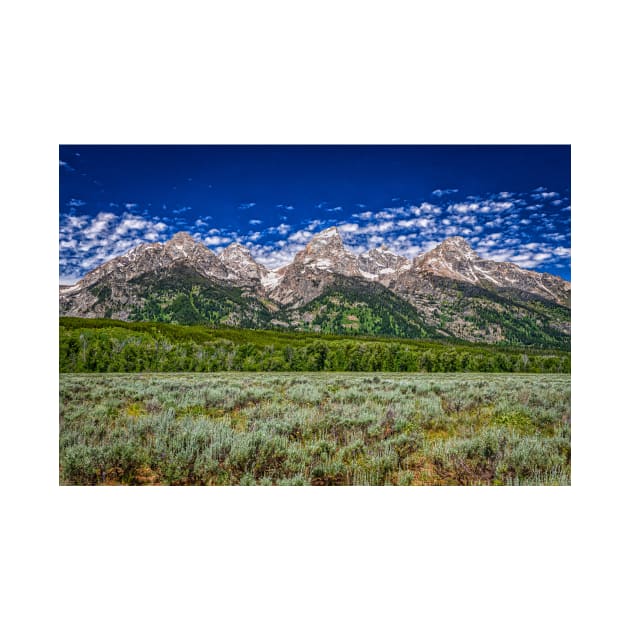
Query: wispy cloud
{"type": "Point", "coordinates": [90, 241]}
{"type": "Point", "coordinates": [66, 166]}
{"type": "Point", "coordinates": [216, 240]}
{"type": "Point", "coordinates": [493, 224]}
{"type": "Point", "coordinates": [275, 255]}
{"type": "Point", "coordinates": [246, 206]}
{"type": "Point", "coordinates": [443, 192]}
{"type": "Point", "coordinates": [544, 195]}
{"type": "Point", "coordinates": [301, 236]}
{"type": "Point", "coordinates": [283, 229]}
{"type": "Point", "coordinates": [511, 226]}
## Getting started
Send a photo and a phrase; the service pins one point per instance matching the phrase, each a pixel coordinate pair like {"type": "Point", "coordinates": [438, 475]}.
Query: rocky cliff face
{"type": "Point", "coordinates": [313, 269]}
{"type": "Point", "coordinates": [153, 256]}
{"type": "Point", "coordinates": [241, 267]}
{"type": "Point", "coordinates": [455, 259]}
{"type": "Point", "coordinates": [453, 291]}
{"type": "Point", "coordinates": [110, 284]}
{"type": "Point", "coordinates": [382, 265]}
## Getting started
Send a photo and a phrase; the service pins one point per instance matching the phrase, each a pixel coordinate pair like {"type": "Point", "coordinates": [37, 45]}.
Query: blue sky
{"type": "Point", "coordinates": [510, 202]}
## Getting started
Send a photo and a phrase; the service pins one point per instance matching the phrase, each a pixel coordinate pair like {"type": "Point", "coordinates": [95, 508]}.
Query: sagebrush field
{"type": "Point", "coordinates": [315, 429]}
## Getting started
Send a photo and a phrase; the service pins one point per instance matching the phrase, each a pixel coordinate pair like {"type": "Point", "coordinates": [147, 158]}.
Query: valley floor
{"type": "Point", "coordinates": [315, 429]}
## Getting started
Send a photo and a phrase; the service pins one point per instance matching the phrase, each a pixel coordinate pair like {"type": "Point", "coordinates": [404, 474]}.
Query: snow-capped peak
{"type": "Point", "coordinates": [380, 261]}
{"type": "Point", "coordinates": [456, 242]}
{"type": "Point", "coordinates": [452, 258]}
{"type": "Point", "coordinates": [236, 251]}
{"type": "Point", "coordinates": [330, 232]}
{"type": "Point", "coordinates": [240, 263]}
{"type": "Point", "coordinates": [236, 247]}
{"type": "Point", "coordinates": [181, 238]}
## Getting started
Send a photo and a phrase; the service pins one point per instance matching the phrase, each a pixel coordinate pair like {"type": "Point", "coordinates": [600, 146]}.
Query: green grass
{"type": "Point", "coordinates": [315, 429]}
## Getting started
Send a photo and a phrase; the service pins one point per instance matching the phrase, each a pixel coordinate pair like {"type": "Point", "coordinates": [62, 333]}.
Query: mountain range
{"type": "Point", "coordinates": [448, 292]}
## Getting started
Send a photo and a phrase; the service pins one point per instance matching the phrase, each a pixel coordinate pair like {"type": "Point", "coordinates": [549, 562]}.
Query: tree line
{"type": "Point", "coordinates": [113, 348]}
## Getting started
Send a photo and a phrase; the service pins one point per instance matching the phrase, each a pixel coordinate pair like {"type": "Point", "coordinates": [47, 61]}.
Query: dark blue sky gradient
{"type": "Point", "coordinates": [226, 187]}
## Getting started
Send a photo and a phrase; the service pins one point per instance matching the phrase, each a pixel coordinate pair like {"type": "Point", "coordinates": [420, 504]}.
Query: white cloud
{"type": "Point", "coordinates": [76, 222]}
{"type": "Point", "coordinates": [385, 214]}
{"type": "Point", "coordinates": [216, 240]}
{"type": "Point", "coordinates": [463, 207]}
{"type": "Point", "coordinates": [254, 236]}
{"type": "Point", "coordinates": [301, 236]}
{"type": "Point", "coordinates": [130, 224]}
{"type": "Point", "coordinates": [410, 251]}
{"type": "Point", "coordinates": [386, 226]}
{"type": "Point", "coordinates": [283, 229]}
{"type": "Point", "coordinates": [425, 208]}
{"type": "Point", "coordinates": [408, 230]}
{"type": "Point", "coordinates": [348, 227]}
{"type": "Point", "coordinates": [421, 222]}
{"type": "Point", "coordinates": [99, 225]}
{"type": "Point", "coordinates": [90, 241]}
{"type": "Point", "coordinates": [374, 241]}
{"type": "Point", "coordinates": [544, 195]}
{"type": "Point", "coordinates": [444, 192]}
{"type": "Point", "coordinates": [495, 222]}
{"type": "Point", "coordinates": [277, 255]}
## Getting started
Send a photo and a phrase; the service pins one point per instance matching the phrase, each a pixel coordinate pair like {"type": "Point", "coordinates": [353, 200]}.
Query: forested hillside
{"type": "Point", "coordinates": [98, 345]}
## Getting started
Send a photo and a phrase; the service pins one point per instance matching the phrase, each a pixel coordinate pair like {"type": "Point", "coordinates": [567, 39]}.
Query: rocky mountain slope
{"type": "Point", "coordinates": [454, 258]}
{"type": "Point", "coordinates": [241, 267]}
{"type": "Point", "coordinates": [449, 291]}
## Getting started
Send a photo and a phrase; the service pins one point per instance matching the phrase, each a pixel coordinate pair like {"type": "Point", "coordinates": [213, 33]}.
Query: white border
{"type": "Point", "coordinates": [286, 72]}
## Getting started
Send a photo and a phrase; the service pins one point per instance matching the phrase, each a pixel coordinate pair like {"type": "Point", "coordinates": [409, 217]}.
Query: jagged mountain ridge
{"type": "Point", "coordinates": [454, 258]}
{"type": "Point", "coordinates": [453, 291]}
{"type": "Point", "coordinates": [241, 266]}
